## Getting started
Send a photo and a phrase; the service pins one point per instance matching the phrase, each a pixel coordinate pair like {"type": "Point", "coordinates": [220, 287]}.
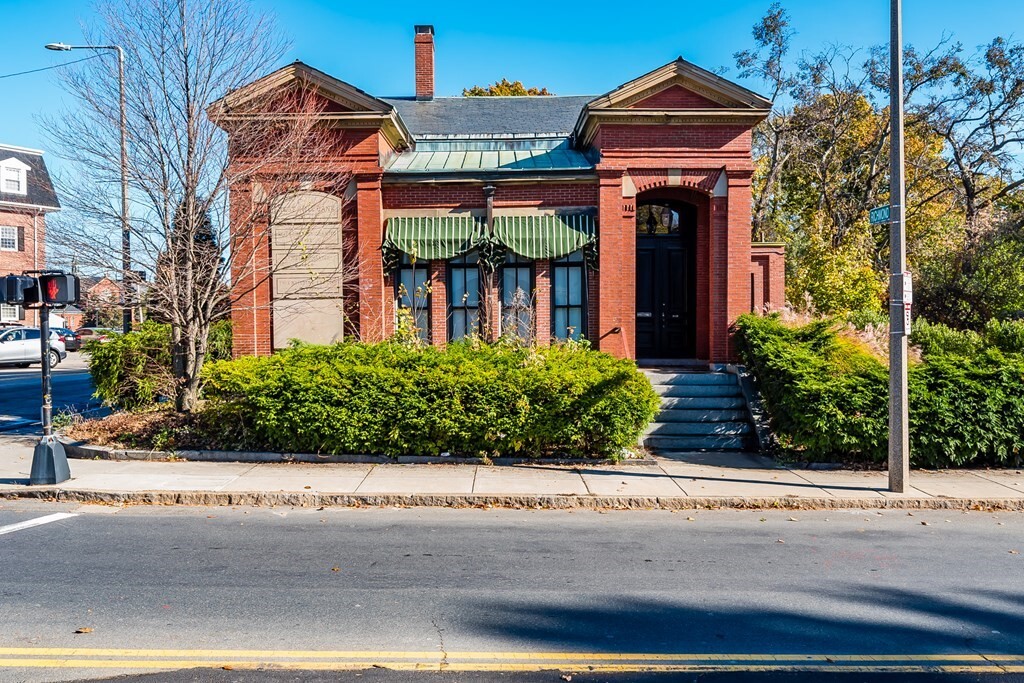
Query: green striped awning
{"type": "Point", "coordinates": [433, 237]}
{"type": "Point", "coordinates": [545, 236]}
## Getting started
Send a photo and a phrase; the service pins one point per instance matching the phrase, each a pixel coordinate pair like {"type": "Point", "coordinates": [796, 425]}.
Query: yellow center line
{"type": "Point", "coordinates": [437, 656]}
{"type": "Point", "coordinates": [480, 666]}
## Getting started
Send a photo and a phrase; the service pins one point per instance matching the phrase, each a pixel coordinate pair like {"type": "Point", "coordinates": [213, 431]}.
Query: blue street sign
{"type": "Point", "coordinates": [879, 215]}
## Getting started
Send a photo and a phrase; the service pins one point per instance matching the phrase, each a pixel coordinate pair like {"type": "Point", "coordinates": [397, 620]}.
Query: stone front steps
{"type": "Point", "coordinates": [700, 411]}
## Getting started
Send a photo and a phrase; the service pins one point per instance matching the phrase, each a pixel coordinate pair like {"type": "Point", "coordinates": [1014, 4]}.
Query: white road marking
{"type": "Point", "coordinates": [38, 521]}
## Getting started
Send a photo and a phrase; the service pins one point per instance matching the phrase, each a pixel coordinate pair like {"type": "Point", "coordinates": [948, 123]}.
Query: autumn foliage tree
{"type": "Point", "coordinates": [822, 162]}
{"type": "Point", "coordinates": [505, 88]}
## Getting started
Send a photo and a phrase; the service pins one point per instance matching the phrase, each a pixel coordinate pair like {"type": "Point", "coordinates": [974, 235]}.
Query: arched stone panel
{"type": "Point", "coordinates": [308, 268]}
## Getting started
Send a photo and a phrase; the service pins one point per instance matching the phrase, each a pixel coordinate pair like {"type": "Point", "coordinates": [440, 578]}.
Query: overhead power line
{"type": "Point", "coordinates": [47, 68]}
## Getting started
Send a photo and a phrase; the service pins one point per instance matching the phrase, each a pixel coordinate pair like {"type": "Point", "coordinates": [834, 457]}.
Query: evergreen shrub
{"type": "Point", "coordinates": [468, 399]}
{"type": "Point", "coordinates": [828, 396]}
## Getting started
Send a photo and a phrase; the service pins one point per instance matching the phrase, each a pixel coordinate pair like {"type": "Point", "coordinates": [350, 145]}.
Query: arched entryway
{"type": "Point", "coordinates": [666, 277]}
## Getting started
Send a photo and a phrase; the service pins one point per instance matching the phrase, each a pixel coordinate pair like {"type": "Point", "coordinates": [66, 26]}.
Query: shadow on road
{"type": "Point", "coordinates": [915, 623]}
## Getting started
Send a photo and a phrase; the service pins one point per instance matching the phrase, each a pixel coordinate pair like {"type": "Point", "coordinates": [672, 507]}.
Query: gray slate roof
{"type": "Point", "coordinates": [465, 116]}
{"type": "Point", "coordinates": [40, 190]}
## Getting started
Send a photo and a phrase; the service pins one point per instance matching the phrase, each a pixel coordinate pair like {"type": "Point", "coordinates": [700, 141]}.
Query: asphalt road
{"type": "Point", "coordinates": [20, 391]}
{"type": "Point", "coordinates": [847, 591]}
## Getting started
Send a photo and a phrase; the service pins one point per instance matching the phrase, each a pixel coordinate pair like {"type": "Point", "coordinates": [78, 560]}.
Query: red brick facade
{"type": "Point", "coordinates": [29, 252]}
{"type": "Point", "coordinates": [684, 139]}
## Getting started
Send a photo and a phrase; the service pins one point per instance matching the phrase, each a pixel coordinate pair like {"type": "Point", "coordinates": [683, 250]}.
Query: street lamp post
{"type": "Point", "coordinates": [126, 235]}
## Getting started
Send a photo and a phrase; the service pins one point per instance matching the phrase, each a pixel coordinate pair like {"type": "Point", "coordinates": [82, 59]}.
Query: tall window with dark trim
{"type": "Point", "coordinates": [412, 290]}
{"type": "Point", "coordinates": [463, 296]}
{"type": "Point", "coordinates": [516, 296]}
{"type": "Point", "coordinates": [569, 297]}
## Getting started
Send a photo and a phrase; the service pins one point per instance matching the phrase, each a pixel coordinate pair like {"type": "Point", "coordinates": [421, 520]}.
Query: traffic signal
{"type": "Point", "coordinates": [57, 289]}
{"type": "Point", "coordinates": [18, 290]}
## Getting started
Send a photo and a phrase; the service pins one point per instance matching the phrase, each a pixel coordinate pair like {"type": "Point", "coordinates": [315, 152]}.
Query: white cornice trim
{"type": "Point", "coordinates": [15, 148]}
{"type": "Point", "coordinates": [328, 86]}
{"type": "Point", "coordinates": [37, 207]}
{"type": "Point", "coordinates": [591, 119]}
{"type": "Point", "coordinates": [683, 73]}
{"type": "Point", "coordinates": [13, 162]}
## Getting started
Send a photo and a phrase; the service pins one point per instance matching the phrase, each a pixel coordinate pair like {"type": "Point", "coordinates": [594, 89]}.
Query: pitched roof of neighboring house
{"type": "Point", "coordinates": [87, 283]}
{"type": "Point", "coordinates": [39, 190]}
{"type": "Point", "coordinates": [489, 116]}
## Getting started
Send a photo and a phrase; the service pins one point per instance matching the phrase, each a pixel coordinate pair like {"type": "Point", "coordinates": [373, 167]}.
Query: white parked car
{"type": "Point", "coordinates": [20, 347]}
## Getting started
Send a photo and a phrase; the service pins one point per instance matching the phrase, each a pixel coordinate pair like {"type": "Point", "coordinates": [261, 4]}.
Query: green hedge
{"type": "Point", "coordinates": [828, 396]}
{"type": "Point", "coordinates": [390, 399]}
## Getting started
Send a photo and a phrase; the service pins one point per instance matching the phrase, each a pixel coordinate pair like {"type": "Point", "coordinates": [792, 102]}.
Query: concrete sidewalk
{"type": "Point", "coordinates": [686, 482]}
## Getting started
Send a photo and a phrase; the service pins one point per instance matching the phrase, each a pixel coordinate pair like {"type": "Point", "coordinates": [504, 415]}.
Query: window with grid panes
{"type": "Point", "coordinates": [568, 297]}
{"type": "Point", "coordinates": [12, 180]}
{"type": "Point", "coordinates": [413, 292]}
{"type": "Point", "coordinates": [8, 238]}
{"type": "Point", "coordinates": [463, 296]}
{"type": "Point", "coordinates": [517, 296]}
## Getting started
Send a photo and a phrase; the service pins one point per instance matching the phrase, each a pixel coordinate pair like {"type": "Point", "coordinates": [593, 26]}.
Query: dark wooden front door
{"type": "Point", "coordinates": [666, 283]}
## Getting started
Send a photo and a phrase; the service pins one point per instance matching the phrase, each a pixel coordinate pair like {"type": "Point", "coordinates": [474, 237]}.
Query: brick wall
{"type": "Point", "coordinates": [31, 251]}
{"type": "Point", "coordinates": [351, 151]}
{"type": "Point", "coordinates": [768, 270]}
{"type": "Point", "coordinates": [542, 300]}
{"type": "Point", "coordinates": [675, 97]}
{"type": "Point", "coordinates": [613, 330]}
{"type": "Point", "coordinates": [684, 160]}
{"type": "Point", "coordinates": [638, 146]}
{"type": "Point", "coordinates": [471, 195]}
{"type": "Point", "coordinates": [439, 303]}
{"type": "Point", "coordinates": [424, 62]}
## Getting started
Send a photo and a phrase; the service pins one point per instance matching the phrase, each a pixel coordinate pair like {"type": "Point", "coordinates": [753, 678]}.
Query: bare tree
{"type": "Point", "coordinates": [190, 147]}
{"type": "Point", "coordinates": [979, 113]}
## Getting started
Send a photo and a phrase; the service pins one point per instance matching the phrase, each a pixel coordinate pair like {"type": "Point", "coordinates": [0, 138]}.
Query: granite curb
{"type": "Point", "coordinates": [515, 501]}
{"type": "Point", "coordinates": [87, 452]}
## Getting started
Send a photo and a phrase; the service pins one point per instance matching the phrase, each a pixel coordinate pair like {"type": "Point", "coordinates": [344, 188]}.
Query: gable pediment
{"type": "Point", "coordinates": [681, 77]}
{"type": "Point", "coordinates": [673, 95]}
{"type": "Point", "coordinates": [14, 162]}
{"type": "Point", "coordinates": [344, 105]}
{"type": "Point", "coordinates": [341, 95]}
{"type": "Point", "coordinates": [679, 93]}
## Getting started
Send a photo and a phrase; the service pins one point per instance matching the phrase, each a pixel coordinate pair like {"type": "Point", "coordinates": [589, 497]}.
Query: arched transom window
{"type": "Point", "coordinates": [654, 218]}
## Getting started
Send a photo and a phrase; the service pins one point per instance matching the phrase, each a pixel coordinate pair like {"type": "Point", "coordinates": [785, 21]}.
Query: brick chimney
{"type": "Point", "coordinates": [424, 62]}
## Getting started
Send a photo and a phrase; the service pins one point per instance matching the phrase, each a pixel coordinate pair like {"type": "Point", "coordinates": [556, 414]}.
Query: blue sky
{"type": "Point", "coordinates": [572, 48]}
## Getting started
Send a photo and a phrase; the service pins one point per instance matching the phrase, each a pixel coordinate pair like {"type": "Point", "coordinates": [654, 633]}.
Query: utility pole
{"type": "Point", "coordinates": [900, 292]}
{"type": "Point", "coordinates": [126, 233]}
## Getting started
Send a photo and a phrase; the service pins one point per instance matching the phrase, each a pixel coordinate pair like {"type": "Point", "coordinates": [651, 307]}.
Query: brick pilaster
{"type": "Point", "coordinates": [614, 330]}
{"type": "Point", "coordinates": [738, 254]}
{"type": "Point", "coordinates": [376, 303]}
{"type": "Point", "coordinates": [542, 301]}
{"type": "Point", "coordinates": [439, 303]}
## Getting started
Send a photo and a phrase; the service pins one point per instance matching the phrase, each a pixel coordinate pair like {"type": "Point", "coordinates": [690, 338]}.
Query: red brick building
{"type": "Point", "coordinates": [26, 196]}
{"type": "Point", "coordinates": [623, 218]}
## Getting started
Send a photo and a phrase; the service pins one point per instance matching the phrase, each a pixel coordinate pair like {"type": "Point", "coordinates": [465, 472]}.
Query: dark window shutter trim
{"type": "Point", "coordinates": [21, 238]}
{"type": "Point", "coordinates": [21, 312]}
